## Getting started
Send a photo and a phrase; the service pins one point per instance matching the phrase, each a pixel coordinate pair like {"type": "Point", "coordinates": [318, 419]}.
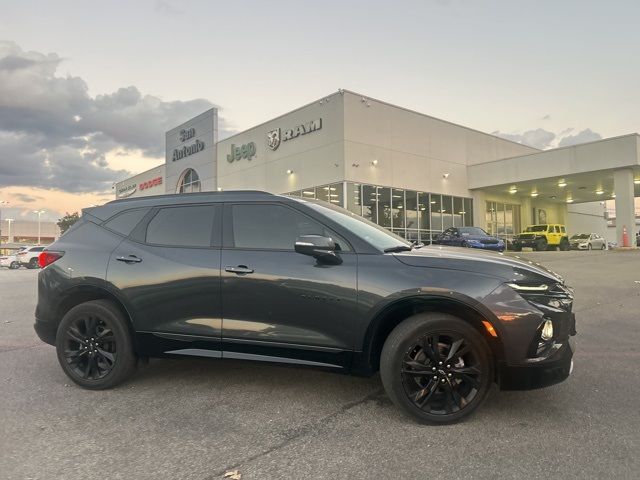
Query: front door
{"type": "Point", "coordinates": [278, 304]}
{"type": "Point", "coordinates": [168, 273]}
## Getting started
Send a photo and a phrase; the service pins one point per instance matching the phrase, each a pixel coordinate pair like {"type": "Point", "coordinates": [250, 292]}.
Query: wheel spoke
{"type": "Point", "coordinates": [110, 357]}
{"type": "Point", "coordinates": [74, 334]}
{"type": "Point", "coordinates": [466, 370]}
{"type": "Point", "coordinates": [454, 348]}
{"type": "Point", "coordinates": [435, 340]}
{"type": "Point", "coordinates": [429, 390]}
{"type": "Point", "coordinates": [90, 324]}
{"type": "Point", "coordinates": [418, 373]}
{"type": "Point", "coordinates": [459, 400]}
{"type": "Point", "coordinates": [104, 333]}
{"type": "Point", "coordinates": [474, 382]}
{"type": "Point", "coordinates": [88, 367]}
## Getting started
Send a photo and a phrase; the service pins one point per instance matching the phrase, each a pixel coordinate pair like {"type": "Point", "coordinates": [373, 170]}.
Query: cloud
{"type": "Point", "coordinates": [23, 197]}
{"type": "Point", "coordinates": [586, 135]}
{"type": "Point", "coordinates": [544, 139]}
{"type": "Point", "coordinates": [538, 138]}
{"type": "Point", "coordinates": [53, 134]}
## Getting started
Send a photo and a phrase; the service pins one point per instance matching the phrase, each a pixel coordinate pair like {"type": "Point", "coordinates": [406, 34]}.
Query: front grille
{"type": "Point", "coordinates": [526, 236]}
{"type": "Point", "coordinates": [490, 241]}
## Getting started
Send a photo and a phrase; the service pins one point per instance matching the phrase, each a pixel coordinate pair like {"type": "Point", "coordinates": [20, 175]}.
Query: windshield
{"type": "Point", "coordinates": [466, 231]}
{"type": "Point", "coordinates": [536, 228]}
{"type": "Point", "coordinates": [377, 236]}
{"type": "Point", "coordinates": [581, 236]}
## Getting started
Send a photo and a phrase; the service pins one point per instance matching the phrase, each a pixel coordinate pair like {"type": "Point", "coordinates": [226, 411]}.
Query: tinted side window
{"type": "Point", "coordinates": [37, 249]}
{"type": "Point", "coordinates": [274, 227]}
{"type": "Point", "coordinates": [190, 226]}
{"type": "Point", "coordinates": [563, 230]}
{"type": "Point", "coordinates": [125, 222]}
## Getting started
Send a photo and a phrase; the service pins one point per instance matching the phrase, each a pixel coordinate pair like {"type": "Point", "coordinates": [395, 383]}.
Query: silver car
{"type": "Point", "coordinates": [587, 241]}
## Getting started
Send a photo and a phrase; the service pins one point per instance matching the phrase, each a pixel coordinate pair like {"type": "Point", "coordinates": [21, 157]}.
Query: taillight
{"type": "Point", "coordinates": [48, 257]}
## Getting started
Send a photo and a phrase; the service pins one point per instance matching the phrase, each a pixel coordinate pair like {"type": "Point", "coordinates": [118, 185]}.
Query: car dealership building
{"type": "Point", "coordinates": [412, 173]}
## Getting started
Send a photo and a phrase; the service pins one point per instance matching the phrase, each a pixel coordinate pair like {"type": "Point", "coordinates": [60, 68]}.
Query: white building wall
{"type": "Point", "coordinates": [151, 182]}
{"type": "Point", "coordinates": [588, 218]}
{"type": "Point", "coordinates": [315, 158]}
{"type": "Point", "coordinates": [414, 151]}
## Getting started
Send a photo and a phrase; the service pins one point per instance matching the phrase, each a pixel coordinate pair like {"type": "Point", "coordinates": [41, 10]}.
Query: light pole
{"type": "Point", "coordinates": [2, 202]}
{"type": "Point", "coordinates": [39, 213]}
{"type": "Point", "coordinates": [8, 220]}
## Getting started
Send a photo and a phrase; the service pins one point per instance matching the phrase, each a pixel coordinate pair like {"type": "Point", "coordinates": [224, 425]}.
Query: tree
{"type": "Point", "coordinates": [67, 221]}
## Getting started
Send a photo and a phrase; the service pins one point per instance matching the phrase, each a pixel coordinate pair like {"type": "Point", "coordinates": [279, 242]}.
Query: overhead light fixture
{"type": "Point", "coordinates": [445, 175]}
{"type": "Point", "coordinates": [637, 181]}
{"type": "Point", "coordinates": [534, 194]}
{"type": "Point", "coordinates": [513, 190]}
{"type": "Point", "coordinates": [569, 200]}
{"type": "Point", "coordinates": [289, 172]}
{"type": "Point", "coordinates": [613, 195]}
{"type": "Point", "coordinates": [562, 183]}
{"type": "Point", "coordinates": [433, 202]}
{"type": "Point", "coordinates": [374, 162]}
{"type": "Point", "coordinates": [599, 192]}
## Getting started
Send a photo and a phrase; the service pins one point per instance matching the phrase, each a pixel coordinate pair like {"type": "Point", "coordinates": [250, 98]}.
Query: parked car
{"type": "Point", "coordinates": [542, 237]}
{"type": "Point", "coordinates": [588, 241]}
{"type": "Point", "coordinates": [10, 261]}
{"type": "Point", "coordinates": [255, 276]}
{"type": "Point", "coordinates": [471, 237]}
{"type": "Point", "coordinates": [28, 257]}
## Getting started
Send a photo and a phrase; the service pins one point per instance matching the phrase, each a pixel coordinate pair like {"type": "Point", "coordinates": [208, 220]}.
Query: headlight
{"type": "Point", "coordinates": [529, 288]}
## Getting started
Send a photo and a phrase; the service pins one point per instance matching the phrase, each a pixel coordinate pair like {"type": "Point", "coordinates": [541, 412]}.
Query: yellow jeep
{"type": "Point", "coordinates": [542, 237]}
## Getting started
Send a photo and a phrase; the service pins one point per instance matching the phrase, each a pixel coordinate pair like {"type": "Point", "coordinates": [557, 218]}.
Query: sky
{"type": "Point", "coordinates": [88, 88]}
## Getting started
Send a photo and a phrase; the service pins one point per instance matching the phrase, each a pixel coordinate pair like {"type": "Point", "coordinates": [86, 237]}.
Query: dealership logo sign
{"type": "Point", "coordinates": [187, 133]}
{"type": "Point", "coordinates": [150, 183]}
{"type": "Point", "coordinates": [184, 135]}
{"type": "Point", "coordinates": [126, 191]}
{"type": "Point", "coordinates": [273, 136]}
{"type": "Point", "coordinates": [273, 139]}
{"type": "Point", "coordinates": [248, 150]}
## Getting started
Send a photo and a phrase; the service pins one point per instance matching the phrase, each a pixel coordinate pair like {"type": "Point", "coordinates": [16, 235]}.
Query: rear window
{"type": "Point", "coordinates": [125, 222]}
{"type": "Point", "coordinates": [190, 226]}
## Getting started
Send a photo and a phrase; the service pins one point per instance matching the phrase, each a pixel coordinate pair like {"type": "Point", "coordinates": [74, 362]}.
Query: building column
{"type": "Point", "coordinates": [525, 213]}
{"type": "Point", "coordinates": [625, 205]}
{"type": "Point", "coordinates": [479, 208]}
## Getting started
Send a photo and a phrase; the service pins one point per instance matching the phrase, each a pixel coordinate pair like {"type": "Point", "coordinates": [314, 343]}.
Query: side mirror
{"type": "Point", "coordinates": [319, 247]}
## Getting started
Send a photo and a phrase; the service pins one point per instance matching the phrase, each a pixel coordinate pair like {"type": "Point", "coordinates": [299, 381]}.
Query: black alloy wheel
{"type": "Point", "coordinates": [33, 263]}
{"type": "Point", "coordinates": [564, 245]}
{"type": "Point", "coordinates": [436, 367]}
{"type": "Point", "coordinates": [14, 265]}
{"type": "Point", "coordinates": [94, 346]}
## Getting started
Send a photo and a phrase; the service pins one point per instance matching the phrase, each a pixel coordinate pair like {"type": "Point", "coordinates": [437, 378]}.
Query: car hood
{"type": "Point", "coordinates": [509, 268]}
{"type": "Point", "coordinates": [480, 237]}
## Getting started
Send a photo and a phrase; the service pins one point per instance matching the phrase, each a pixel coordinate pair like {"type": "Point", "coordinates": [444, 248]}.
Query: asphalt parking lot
{"type": "Point", "coordinates": [197, 419]}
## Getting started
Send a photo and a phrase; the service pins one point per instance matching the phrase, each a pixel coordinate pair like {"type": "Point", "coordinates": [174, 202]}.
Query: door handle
{"type": "Point", "coordinates": [129, 259]}
{"type": "Point", "coordinates": [240, 269]}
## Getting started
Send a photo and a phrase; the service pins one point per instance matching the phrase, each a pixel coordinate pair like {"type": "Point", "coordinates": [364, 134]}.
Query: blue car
{"type": "Point", "coordinates": [471, 237]}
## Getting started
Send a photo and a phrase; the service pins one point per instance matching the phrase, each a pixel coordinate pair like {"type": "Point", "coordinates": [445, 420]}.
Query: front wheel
{"type": "Point", "coordinates": [541, 245]}
{"type": "Point", "coordinates": [436, 367]}
{"type": "Point", "coordinates": [94, 346]}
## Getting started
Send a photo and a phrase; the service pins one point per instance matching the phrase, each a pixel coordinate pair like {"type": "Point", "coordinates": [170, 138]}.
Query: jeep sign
{"type": "Point", "coordinates": [248, 150]}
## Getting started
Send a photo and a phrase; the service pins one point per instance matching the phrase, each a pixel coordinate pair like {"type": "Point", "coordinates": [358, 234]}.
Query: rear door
{"type": "Point", "coordinates": [279, 304]}
{"type": "Point", "coordinates": [168, 273]}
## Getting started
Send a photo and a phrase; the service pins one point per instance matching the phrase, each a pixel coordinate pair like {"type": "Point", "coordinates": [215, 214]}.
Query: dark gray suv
{"type": "Point", "coordinates": [250, 275]}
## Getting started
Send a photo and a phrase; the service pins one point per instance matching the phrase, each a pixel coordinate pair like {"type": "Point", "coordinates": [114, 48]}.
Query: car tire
{"type": "Point", "coordinates": [541, 245]}
{"type": "Point", "coordinates": [94, 345]}
{"type": "Point", "coordinates": [564, 245]}
{"type": "Point", "coordinates": [14, 266]}
{"type": "Point", "coordinates": [33, 263]}
{"type": "Point", "coordinates": [604, 246]}
{"type": "Point", "coordinates": [453, 390]}
{"type": "Point", "coordinates": [589, 247]}
{"type": "Point", "coordinates": [517, 249]}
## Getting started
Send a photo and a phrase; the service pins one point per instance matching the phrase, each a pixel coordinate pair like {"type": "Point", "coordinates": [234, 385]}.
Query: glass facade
{"type": "Point", "coordinates": [416, 216]}
{"type": "Point", "coordinates": [503, 219]}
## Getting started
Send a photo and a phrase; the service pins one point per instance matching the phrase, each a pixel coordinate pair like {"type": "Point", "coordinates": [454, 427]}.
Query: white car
{"type": "Point", "coordinates": [9, 261]}
{"type": "Point", "coordinates": [28, 257]}
{"type": "Point", "coordinates": [588, 241]}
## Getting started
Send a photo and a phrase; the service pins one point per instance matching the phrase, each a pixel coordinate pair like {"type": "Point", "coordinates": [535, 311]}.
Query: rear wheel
{"type": "Point", "coordinates": [94, 346]}
{"type": "Point", "coordinates": [33, 263]}
{"type": "Point", "coordinates": [589, 246]}
{"type": "Point", "coordinates": [14, 265]}
{"type": "Point", "coordinates": [604, 246]}
{"type": "Point", "coordinates": [436, 368]}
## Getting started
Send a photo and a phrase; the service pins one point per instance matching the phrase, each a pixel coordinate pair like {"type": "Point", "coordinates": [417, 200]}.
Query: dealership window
{"type": "Point", "coordinates": [503, 219]}
{"type": "Point", "coordinates": [416, 216]}
{"type": "Point", "coordinates": [182, 226]}
{"type": "Point", "coordinates": [354, 198]}
{"type": "Point", "coordinates": [189, 181]}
